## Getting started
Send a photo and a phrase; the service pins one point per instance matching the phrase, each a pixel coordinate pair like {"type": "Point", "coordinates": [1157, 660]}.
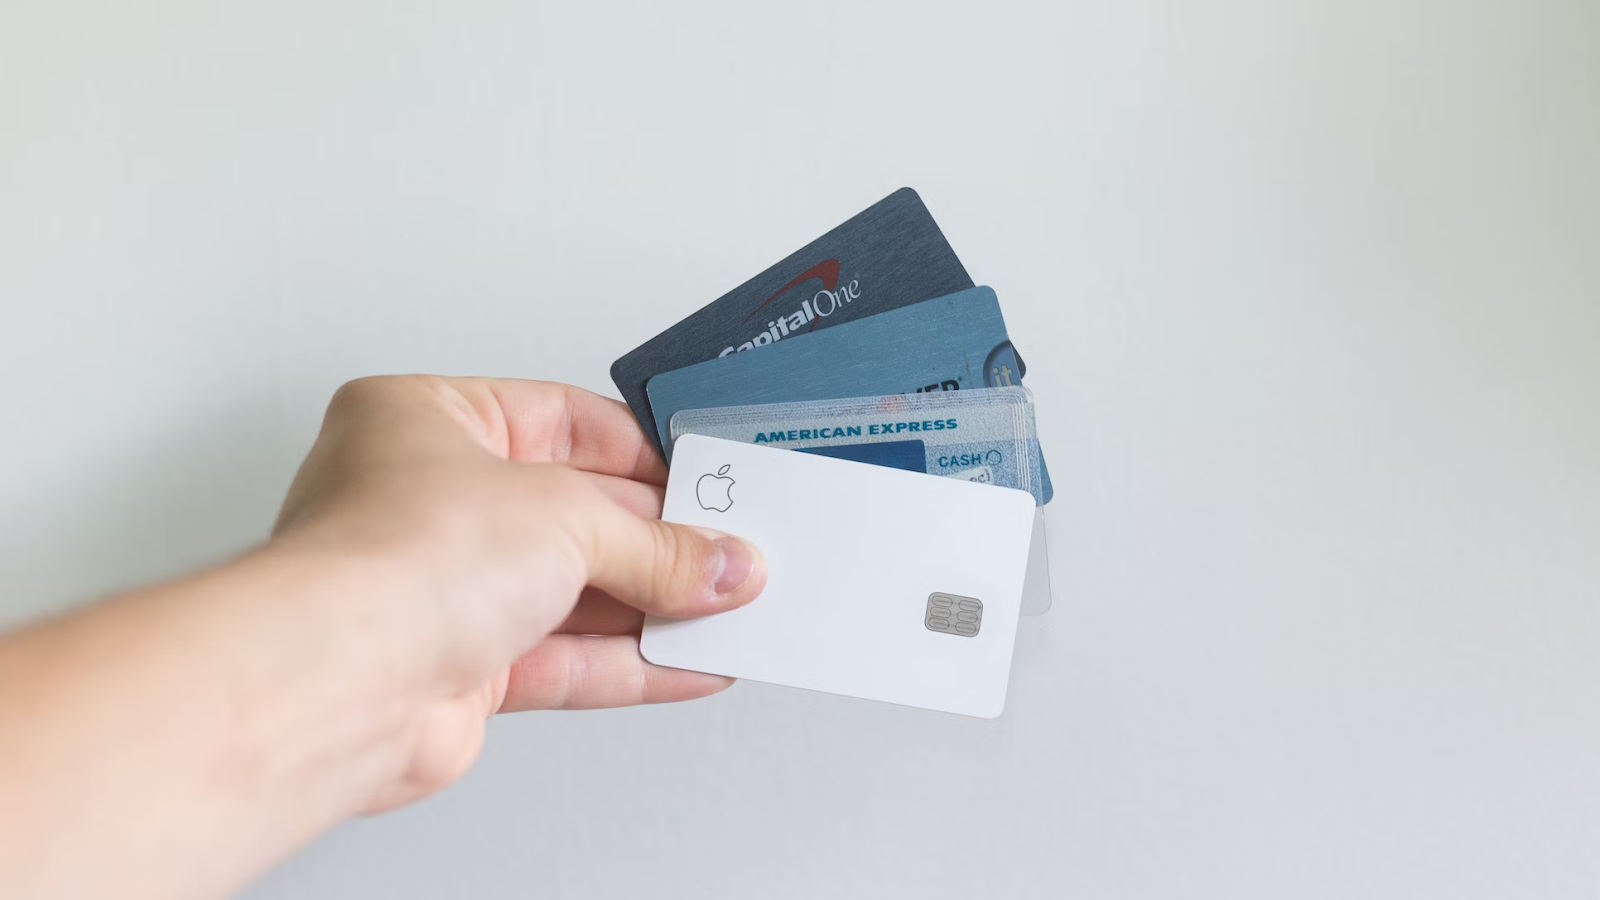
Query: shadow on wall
{"type": "Point", "coordinates": [196, 495]}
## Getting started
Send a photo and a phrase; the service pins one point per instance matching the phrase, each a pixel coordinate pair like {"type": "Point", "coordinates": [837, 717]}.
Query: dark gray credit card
{"type": "Point", "coordinates": [890, 255]}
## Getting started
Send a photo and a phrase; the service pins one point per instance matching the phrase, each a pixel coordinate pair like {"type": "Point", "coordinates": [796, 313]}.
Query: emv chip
{"type": "Point", "coordinates": [950, 614]}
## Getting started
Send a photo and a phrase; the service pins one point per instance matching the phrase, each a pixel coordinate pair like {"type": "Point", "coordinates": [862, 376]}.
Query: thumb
{"type": "Point", "coordinates": [672, 570]}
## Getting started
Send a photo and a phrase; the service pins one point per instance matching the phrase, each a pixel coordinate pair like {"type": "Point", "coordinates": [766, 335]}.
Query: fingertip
{"type": "Point", "coordinates": [695, 685]}
{"type": "Point", "coordinates": [741, 570]}
{"type": "Point", "coordinates": [674, 570]}
{"type": "Point", "coordinates": [739, 561]}
{"type": "Point", "coordinates": [756, 582]}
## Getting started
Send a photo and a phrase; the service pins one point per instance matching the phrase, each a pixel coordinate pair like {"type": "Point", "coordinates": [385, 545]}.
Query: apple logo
{"type": "Point", "coordinates": [712, 490]}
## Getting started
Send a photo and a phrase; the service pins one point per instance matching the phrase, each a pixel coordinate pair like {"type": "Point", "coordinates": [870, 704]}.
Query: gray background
{"type": "Point", "coordinates": [1310, 295]}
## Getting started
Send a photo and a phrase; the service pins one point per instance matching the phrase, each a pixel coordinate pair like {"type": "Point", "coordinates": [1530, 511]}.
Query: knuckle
{"type": "Point", "coordinates": [681, 566]}
{"type": "Point", "coordinates": [644, 684]}
{"type": "Point", "coordinates": [358, 391]}
{"type": "Point", "coordinates": [370, 389]}
{"type": "Point", "coordinates": [570, 681]}
{"type": "Point", "coordinates": [361, 395]}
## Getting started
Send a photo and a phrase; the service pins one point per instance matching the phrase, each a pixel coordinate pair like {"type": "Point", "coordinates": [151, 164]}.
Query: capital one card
{"type": "Point", "coordinates": [952, 343]}
{"type": "Point", "coordinates": [890, 255]}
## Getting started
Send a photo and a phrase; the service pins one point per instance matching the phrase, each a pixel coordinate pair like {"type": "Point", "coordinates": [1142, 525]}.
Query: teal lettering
{"type": "Point", "coordinates": [853, 431]}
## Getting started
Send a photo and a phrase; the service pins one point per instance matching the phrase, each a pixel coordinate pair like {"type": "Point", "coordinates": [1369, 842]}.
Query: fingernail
{"type": "Point", "coordinates": [738, 560]}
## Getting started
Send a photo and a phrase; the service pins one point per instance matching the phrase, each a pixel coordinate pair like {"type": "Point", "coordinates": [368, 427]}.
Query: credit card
{"type": "Point", "coordinates": [986, 435]}
{"type": "Point", "coordinates": [995, 427]}
{"type": "Point", "coordinates": [949, 344]}
{"type": "Point", "coordinates": [890, 255]}
{"type": "Point", "coordinates": [881, 584]}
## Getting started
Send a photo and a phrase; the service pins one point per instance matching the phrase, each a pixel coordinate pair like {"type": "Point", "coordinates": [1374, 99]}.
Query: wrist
{"type": "Point", "coordinates": [333, 682]}
{"type": "Point", "coordinates": [215, 723]}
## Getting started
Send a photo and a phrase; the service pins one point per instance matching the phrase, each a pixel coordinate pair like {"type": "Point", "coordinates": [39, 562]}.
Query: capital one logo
{"type": "Point", "coordinates": [820, 305]}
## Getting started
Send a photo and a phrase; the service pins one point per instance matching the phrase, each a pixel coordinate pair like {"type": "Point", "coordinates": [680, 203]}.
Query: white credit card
{"type": "Point", "coordinates": [882, 584]}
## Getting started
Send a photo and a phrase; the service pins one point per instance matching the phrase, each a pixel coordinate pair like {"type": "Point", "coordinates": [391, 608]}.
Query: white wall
{"type": "Point", "coordinates": [1310, 294]}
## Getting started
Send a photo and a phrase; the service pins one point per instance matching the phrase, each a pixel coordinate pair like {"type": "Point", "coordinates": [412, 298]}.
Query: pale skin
{"type": "Point", "coordinates": [450, 549]}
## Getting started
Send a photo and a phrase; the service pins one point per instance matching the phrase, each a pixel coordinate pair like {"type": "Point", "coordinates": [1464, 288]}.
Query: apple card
{"type": "Point", "coordinates": [879, 585]}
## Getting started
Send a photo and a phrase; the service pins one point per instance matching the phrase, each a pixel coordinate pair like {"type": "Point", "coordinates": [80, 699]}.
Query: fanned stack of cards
{"type": "Point", "coordinates": [872, 346]}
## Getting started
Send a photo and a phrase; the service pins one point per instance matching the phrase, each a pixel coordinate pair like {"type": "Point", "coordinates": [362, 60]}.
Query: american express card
{"type": "Point", "coordinates": [986, 435]}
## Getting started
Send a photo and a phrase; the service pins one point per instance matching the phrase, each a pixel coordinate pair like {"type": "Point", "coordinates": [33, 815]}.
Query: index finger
{"type": "Point", "coordinates": [550, 422]}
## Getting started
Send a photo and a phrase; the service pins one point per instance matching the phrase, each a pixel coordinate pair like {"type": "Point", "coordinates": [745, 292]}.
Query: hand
{"type": "Point", "coordinates": [509, 535]}
{"type": "Point", "coordinates": [451, 548]}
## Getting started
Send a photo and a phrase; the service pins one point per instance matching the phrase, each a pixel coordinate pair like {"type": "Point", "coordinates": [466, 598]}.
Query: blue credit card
{"type": "Point", "coordinates": [909, 455]}
{"type": "Point", "coordinates": [954, 342]}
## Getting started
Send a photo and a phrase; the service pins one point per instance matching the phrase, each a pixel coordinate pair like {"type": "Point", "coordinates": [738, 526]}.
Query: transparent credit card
{"type": "Point", "coordinates": [986, 432]}
{"type": "Point", "coordinates": [984, 435]}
